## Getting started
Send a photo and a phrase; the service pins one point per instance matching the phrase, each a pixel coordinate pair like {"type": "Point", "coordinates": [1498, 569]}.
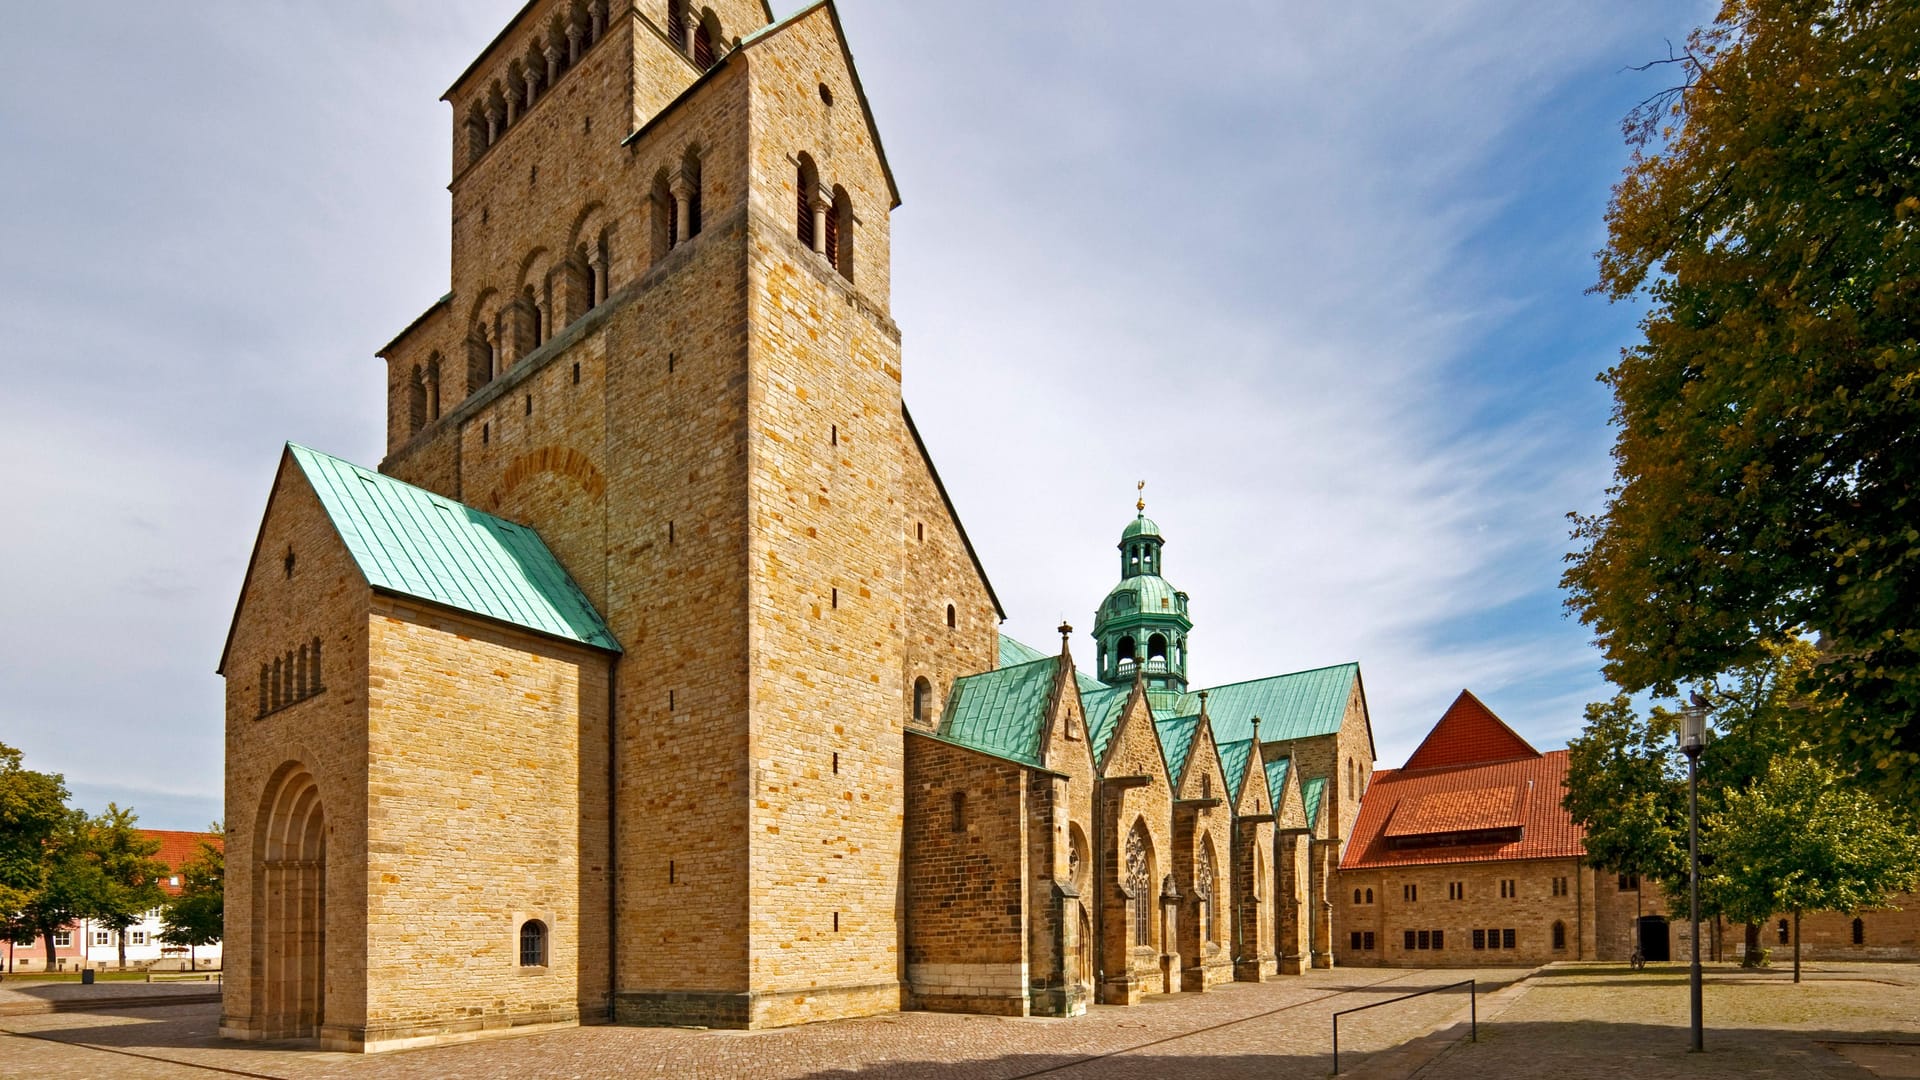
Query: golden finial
{"type": "Point", "coordinates": [1141, 505]}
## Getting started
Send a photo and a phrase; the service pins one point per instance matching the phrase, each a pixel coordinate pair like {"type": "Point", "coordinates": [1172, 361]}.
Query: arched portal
{"type": "Point", "coordinates": [290, 906]}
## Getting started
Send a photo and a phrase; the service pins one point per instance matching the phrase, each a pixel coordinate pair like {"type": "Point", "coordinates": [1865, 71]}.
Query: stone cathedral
{"type": "Point", "coordinates": [651, 678]}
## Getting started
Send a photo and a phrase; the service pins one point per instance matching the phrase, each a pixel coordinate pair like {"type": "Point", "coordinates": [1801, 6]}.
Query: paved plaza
{"type": "Point", "coordinates": [1566, 1022]}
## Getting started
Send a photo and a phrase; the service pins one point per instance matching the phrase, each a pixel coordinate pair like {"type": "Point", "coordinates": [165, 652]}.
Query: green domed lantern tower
{"type": "Point", "coordinates": [1142, 625]}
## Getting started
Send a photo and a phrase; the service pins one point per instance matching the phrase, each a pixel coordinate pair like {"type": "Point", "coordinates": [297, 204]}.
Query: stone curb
{"type": "Point", "coordinates": [1408, 1059]}
{"type": "Point", "coordinates": [106, 1004]}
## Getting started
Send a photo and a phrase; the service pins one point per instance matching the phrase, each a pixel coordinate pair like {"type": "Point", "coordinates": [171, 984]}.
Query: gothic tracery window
{"type": "Point", "coordinates": [1140, 884]}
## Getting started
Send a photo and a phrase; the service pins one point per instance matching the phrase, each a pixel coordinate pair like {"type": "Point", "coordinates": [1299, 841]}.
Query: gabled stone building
{"type": "Point", "coordinates": [653, 676]}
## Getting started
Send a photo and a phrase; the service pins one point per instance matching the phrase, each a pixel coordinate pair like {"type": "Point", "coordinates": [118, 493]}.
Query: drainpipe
{"type": "Point", "coordinates": [613, 839]}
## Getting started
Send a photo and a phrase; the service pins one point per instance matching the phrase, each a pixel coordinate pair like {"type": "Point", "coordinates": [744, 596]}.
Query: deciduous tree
{"type": "Point", "coordinates": [1768, 427]}
{"type": "Point", "coordinates": [197, 916]}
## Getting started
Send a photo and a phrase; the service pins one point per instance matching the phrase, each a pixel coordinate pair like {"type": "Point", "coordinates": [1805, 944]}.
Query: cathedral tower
{"type": "Point", "coordinates": [667, 351]}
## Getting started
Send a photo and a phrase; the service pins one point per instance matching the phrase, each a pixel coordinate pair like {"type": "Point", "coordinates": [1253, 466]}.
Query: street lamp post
{"type": "Point", "coordinates": [1692, 738]}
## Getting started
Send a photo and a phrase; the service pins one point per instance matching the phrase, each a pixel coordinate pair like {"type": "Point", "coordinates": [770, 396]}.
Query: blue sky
{"type": "Point", "coordinates": [1316, 275]}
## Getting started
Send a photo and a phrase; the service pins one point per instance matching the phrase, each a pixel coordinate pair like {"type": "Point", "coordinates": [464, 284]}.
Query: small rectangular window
{"type": "Point", "coordinates": [576, 374]}
{"type": "Point", "coordinates": [1426, 940]}
{"type": "Point", "coordinates": [1456, 890]}
{"type": "Point", "coordinates": [1366, 941]}
{"type": "Point", "coordinates": [1439, 939]}
{"type": "Point", "coordinates": [63, 939]}
{"type": "Point", "coordinates": [1409, 941]}
{"type": "Point", "coordinates": [1506, 938]}
{"type": "Point", "coordinates": [1356, 940]}
{"type": "Point", "coordinates": [1409, 892]}
{"type": "Point", "coordinates": [1479, 939]}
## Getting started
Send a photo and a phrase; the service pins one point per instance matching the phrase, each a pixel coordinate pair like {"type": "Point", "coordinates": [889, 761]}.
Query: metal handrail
{"type": "Point", "coordinates": [1473, 1007]}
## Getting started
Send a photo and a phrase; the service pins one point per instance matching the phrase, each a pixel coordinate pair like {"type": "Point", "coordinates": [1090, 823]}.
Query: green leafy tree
{"type": "Point", "coordinates": [1766, 456]}
{"type": "Point", "coordinates": [32, 807]}
{"type": "Point", "coordinates": [1626, 784]}
{"type": "Point", "coordinates": [197, 916]}
{"type": "Point", "coordinates": [70, 882]}
{"type": "Point", "coordinates": [127, 884]}
{"type": "Point", "coordinates": [1800, 839]}
{"type": "Point", "coordinates": [1623, 787]}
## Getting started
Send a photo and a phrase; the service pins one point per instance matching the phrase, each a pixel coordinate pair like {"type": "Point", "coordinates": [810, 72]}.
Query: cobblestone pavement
{"type": "Point", "coordinates": [1272, 1030]}
{"type": "Point", "coordinates": [1571, 1022]}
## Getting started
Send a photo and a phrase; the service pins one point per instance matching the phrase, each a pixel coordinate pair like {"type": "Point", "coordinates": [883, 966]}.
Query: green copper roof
{"type": "Point", "coordinates": [1296, 706]}
{"type": "Point", "coordinates": [1140, 595]}
{"type": "Point", "coordinates": [1140, 526]}
{"type": "Point", "coordinates": [409, 541]}
{"type": "Point", "coordinates": [1277, 780]}
{"type": "Point", "coordinates": [1014, 653]}
{"type": "Point", "coordinates": [1310, 797]}
{"type": "Point", "coordinates": [1176, 741]}
{"type": "Point", "coordinates": [1001, 712]}
{"type": "Point", "coordinates": [1233, 758]}
{"type": "Point", "coordinates": [1104, 707]}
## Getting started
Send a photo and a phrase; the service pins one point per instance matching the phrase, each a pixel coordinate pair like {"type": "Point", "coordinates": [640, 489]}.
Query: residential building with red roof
{"type": "Point", "coordinates": [87, 944]}
{"type": "Point", "coordinates": [1465, 857]}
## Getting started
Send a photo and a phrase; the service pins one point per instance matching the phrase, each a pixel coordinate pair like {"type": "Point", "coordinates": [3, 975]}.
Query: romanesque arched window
{"type": "Point", "coordinates": [1140, 883]}
{"type": "Point", "coordinates": [806, 191]}
{"type": "Point", "coordinates": [1369, 896]}
{"type": "Point", "coordinates": [953, 617]}
{"type": "Point", "coordinates": [677, 24]}
{"type": "Point", "coordinates": [922, 700]}
{"type": "Point", "coordinates": [839, 245]}
{"type": "Point", "coordinates": [706, 38]}
{"type": "Point", "coordinates": [433, 387]}
{"type": "Point", "coordinates": [416, 401]}
{"type": "Point", "coordinates": [533, 943]}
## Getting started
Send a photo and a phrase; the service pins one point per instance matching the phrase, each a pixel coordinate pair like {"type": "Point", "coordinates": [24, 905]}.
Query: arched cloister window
{"type": "Point", "coordinates": [839, 245]}
{"type": "Point", "coordinates": [479, 357]}
{"type": "Point", "coordinates": [922, 700]}
{"type": "Point", "coordinates": [677, 23]}
{"type": "Point", "coordinates": [277, 697]}
{"type": "Point", "coordinates": [315, 683]}
{"type": "Point", "coordinates": [477, 139]}
{"type": "Point", "coordinates": [433, 387]}
{"type": "Point", "coordinates": [266, 692]}
{"type": "Point", "coordinates": [1356, 896]}
{"type": "Point", "coordinates": [1559, 937]}
{"type": "Point", "coordinates": [807, 192]}
{"type": "Point", "coordinates": [300, 676]}
{"type": "Point", "coordinates": [1369, 896]}
{"type": "Point", "coordinates": [1140, 883]}
{"type": "Point", "coordinates": [1157, 647]}
{"type": "Point", "coordinates": [706, 36]}
{"type": "Point", "coordinates": [416, 401]}
{"type": "Point", "coordinates": [533, 943]}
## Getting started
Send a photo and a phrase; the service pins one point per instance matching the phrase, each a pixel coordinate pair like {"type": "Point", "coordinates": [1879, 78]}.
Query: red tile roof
{"type": "Point", "coordinates": [1470, 799]}
{"type": "Point", "coordinates": [1473, 792]}
{"type": "Point", "coordinates": [1468, 734]}
{"type": "Point", "coordinates": [176, 848]}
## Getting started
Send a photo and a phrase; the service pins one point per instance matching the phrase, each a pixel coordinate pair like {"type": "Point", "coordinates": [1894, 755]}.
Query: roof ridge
{"type": "Point", "coordinates": [1282, 675]}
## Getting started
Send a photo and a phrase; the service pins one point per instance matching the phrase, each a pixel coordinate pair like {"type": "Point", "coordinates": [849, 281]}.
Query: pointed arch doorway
{"type": "Point", "coordinates": [290, 910]}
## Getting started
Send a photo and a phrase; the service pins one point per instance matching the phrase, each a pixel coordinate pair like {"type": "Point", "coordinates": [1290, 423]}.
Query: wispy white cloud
{"type": "Point", "coordinates": [1268, 257]}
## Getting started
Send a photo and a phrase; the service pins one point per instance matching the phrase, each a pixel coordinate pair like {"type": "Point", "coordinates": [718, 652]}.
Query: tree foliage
{"type": "Point", "coordinates": [32, 806]}
{"type": "Point", "coordinates": [1768, 427]}
{"type": "Point", "coordinates": [126, 883]}
{"type": "Point", "coordinates": [1622, 786]}
{"type": "Point", "coordinates": [1800, 839]}
{"type": "Point", "coordinates": [197, 915]}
